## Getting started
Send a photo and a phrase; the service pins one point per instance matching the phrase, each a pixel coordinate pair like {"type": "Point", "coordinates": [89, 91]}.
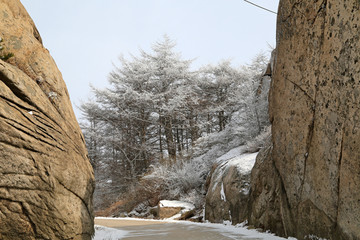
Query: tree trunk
{"type": "Point", "coordinates": [193, 128]}
{"type": "Point", "coordinates": [143, 140]}
{"type": "Point", "coordinates": [221, 121]}
{"type": "Point", "coordinates": [208, 125]}
{"type": "Point", "coordinates": [178, 137]}
{"type": "Point", "coordinates": [170, 139]}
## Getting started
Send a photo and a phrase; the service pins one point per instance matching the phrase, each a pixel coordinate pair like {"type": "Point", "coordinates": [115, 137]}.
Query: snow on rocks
{"type": "Point", "coordinates": [173, 203]}
{"type": "Point", "coordinates": [244, 163]}
{"type": "Point", "coordinates": [175, 210]}
{"type": "Point", "coordinates": [228, 187]}
{"type": "Point", "coordinates": [222, 193]}
{"type": "Point", "coordinates": [235, 152]}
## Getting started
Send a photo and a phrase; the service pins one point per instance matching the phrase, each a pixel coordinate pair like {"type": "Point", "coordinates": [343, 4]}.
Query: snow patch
{"type": "Point", "coordinates": [102, 233]}
{"type": "Point", "coordinates": [176, 204]}
{"type": "Point", "coordinates": [245, 190]}
{"type": "Point", "coordinates": [52, 95]}
{"type": "Point", "coordinates": [244, 163]}
{"type": "Point", "coordinates": [235, 157]}
{"type": "Point", "coordinates": [222, 193]}
{"type": "Point", "coordinates": [235, 152]}
{"type": "Point", "coordinates": [176, 216]}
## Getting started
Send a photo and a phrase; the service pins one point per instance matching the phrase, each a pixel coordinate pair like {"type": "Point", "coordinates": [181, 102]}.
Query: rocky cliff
{"type": "Point", "coordinates": [46, 180]}
{"type": "Point", "coordinates": [307, 183]}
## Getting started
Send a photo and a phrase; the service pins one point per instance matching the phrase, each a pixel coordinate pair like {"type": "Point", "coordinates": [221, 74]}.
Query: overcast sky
{"type": "Point", "coordinates": [85, 37]}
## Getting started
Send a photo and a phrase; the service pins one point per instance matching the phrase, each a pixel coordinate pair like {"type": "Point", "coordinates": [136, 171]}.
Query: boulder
{"type": "Point", "coordinates": [228, 190]}
{"type": "Point", "coordinates": [307, 183]}
{"type": "Point", "coordinates": [176, 210]}
{"type": "Point", "coordinates": [168, 212]}
{"type": "Point", "coordinates": [46, 180]}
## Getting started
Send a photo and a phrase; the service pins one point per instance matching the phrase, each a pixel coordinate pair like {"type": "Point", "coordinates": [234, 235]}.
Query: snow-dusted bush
{"type": "Point", "coordinates": [181, 179]}
{"type": "Point", "coordinates": [195, 198]}
{"type": "Point", "coordinates": [259, 141]}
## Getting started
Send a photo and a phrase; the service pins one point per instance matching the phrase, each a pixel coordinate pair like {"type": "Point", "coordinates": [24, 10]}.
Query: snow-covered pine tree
{"type": "Point", "coordinates": [156, 109]}
{"type": "Point", "coordinates": [218, 83]}
{"type": "Point", "coordinates": [170, 75]}
{"type": "Point", "coordinates": [143, 111]}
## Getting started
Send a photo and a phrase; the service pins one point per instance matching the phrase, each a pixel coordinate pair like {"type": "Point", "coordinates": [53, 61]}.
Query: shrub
{"type": "Point", "coordinates": [259, 141]}
{"type": "Point", "coordinates": [4, 56]}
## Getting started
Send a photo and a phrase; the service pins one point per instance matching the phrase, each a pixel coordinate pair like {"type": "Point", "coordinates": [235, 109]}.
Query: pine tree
{"type": "Point", "coordinates": [156, 109]}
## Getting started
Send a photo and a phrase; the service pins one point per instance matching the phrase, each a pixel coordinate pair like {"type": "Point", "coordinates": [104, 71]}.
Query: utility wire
{"type": "Point", "coordinates": [260, 7]}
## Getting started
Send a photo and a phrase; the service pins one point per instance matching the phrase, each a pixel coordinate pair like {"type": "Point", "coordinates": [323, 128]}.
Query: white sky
{"type": "Point", "coordinates": [85, 37]}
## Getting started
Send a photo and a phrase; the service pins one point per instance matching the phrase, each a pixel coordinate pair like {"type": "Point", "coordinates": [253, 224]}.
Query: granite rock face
{"type": "Point", "coordinates": [228, 188]}
{"type": "Point", "coordinates": [227, 195]}
{"type": "Point", "coordinates": [46, 180]}
{"type": "Point", "coordinates": [307, 183]}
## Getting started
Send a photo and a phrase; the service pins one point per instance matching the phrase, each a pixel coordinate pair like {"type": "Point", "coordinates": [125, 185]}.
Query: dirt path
{"type": "Point", "coordinates": [161, 230]}
{"type": "Point", "coordinates": [116, 223]}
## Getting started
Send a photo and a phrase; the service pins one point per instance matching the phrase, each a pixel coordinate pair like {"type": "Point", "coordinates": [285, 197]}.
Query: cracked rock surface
{"type": "Point", "coordinates": [46, 180]}
{"type": "Point", "coordinates": [308, 182]}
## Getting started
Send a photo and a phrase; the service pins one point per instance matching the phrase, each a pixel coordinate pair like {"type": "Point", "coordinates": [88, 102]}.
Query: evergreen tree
{"type": "Point", "coordinates": [155, 109]}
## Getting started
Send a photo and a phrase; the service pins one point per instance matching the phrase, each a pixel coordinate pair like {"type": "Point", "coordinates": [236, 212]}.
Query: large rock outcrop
{"type": "Point", "coordinates": [228, 189]}
{"type": "Point", "coordinates": [307, 184]}
{"type": "Point", "coordinates": [46, 180]}
{"type": "Point", "coordinates": [227, 195]}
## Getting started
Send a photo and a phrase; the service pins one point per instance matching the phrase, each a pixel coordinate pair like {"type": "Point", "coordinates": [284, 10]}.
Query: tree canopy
{"type": "Point", "coordinates": [156, 108]}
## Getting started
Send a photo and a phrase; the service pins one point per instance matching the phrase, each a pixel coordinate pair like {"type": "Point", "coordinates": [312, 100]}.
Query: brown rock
{"type": "Point", "coordinates": [187, 214]}
{"type": "Point", "coordinates": [176, 210]}
{"type": "Point", "coordinates": [308, 184]}
{"type": "Point", "coordinates": [46, 180]}
{"type": "Point", "coordinates": [167, 212]}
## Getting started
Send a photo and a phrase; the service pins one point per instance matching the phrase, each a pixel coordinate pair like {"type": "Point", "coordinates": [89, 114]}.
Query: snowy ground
{"type": "Point", "coordinates": [129, 228]}
{"type": "Point", "coordinates": [105, 233]}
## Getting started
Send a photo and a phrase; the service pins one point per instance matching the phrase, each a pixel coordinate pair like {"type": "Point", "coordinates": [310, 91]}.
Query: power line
{"type": "Point", "coordinates": [260, 7]}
